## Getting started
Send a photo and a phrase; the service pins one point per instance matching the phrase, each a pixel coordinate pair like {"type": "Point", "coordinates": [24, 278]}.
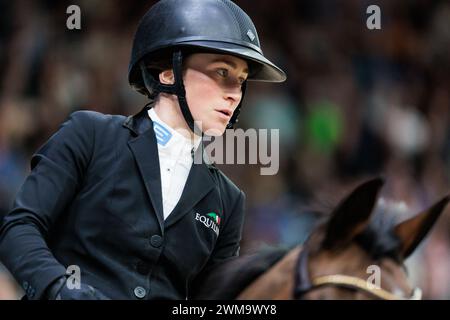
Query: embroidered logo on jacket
{"type": "Point", "coordinates": [210, 220]}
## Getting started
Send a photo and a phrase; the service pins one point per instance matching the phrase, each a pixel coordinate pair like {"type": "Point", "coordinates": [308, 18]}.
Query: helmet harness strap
{"type": "Point", "coordinates": [178, 89]}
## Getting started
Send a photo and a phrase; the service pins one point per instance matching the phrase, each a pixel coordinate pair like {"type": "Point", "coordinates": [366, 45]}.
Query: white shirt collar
{"type": "Point", "coordinates": [169, 139]}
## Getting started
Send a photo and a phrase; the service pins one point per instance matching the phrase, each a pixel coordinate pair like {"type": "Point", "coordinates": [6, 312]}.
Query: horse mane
{"type": "Point", "coordinates": [228, 279]}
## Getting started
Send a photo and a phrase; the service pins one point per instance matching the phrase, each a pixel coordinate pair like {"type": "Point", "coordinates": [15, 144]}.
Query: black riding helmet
{"type": "Point", "coordinates": [176, 27]}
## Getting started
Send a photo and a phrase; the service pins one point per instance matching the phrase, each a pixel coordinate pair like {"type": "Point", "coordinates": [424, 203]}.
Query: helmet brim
{"type": "Point", "coordinates": [266, 70]}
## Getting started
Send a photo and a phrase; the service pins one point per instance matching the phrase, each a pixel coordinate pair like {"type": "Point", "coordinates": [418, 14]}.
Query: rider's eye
{"type": "Point", "coordinates": [222, 72]}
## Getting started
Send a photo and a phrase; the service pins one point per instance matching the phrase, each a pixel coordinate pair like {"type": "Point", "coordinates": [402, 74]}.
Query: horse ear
{"type": "Point", "coordinates": [412, 231]}
{"type": "Point", "coordinates": [352, 215]}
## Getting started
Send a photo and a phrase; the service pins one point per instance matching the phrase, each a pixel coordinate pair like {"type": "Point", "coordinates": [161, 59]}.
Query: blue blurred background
{"type": "Point", "coordinates": [357, 103]}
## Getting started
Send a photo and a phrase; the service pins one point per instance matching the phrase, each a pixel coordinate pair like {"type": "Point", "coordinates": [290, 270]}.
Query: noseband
{"type": "Point", "coordinates": [304, 284]}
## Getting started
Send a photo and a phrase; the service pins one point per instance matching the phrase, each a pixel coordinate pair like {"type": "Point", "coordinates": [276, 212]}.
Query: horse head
{"type": "Point", "coordinates": [358, 253]}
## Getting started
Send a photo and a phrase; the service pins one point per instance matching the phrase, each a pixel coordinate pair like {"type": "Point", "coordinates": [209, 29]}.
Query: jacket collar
{"type": "Point", "coordinates": [138, 123]}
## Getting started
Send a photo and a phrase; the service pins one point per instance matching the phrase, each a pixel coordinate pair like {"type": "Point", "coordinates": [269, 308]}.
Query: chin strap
{"type": "Point", "coordinates": [155, 87]}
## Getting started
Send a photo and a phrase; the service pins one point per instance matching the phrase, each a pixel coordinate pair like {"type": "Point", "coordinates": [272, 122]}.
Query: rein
{"type": "Point", "coordinates": [304, 284]}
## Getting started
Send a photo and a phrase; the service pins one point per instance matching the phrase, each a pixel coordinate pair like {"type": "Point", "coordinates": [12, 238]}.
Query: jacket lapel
{"type": "Point", "coordinates": [199, 183]}
{"type": "Point", "coordinates": [144, 147]}
{"type": "Point", "coordinates": [145, 151]}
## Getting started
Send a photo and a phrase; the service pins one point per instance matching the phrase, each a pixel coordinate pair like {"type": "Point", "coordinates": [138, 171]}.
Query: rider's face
{"type": "Point", "coordinates": [213, 89]}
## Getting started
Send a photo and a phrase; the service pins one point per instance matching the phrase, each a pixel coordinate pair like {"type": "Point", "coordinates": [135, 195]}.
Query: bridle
{"type": "Point", "coordinates": [304, 284]}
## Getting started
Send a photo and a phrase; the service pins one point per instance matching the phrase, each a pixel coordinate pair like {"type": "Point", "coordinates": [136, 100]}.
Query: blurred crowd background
{"type": "Point", "coordinates": [358, 103]}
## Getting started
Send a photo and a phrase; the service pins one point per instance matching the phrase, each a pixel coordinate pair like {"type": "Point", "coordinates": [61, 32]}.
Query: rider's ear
{"type": "Point", "coordinates": [352, 215]}
{"type": "Point", "coordinates": [167, 77]}
{"type": "Point", "coordinates": [412, 231]}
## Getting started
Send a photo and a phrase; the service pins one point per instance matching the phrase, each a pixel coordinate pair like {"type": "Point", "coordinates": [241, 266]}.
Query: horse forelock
{"type": "Point", "coordinates": [377, 239]}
